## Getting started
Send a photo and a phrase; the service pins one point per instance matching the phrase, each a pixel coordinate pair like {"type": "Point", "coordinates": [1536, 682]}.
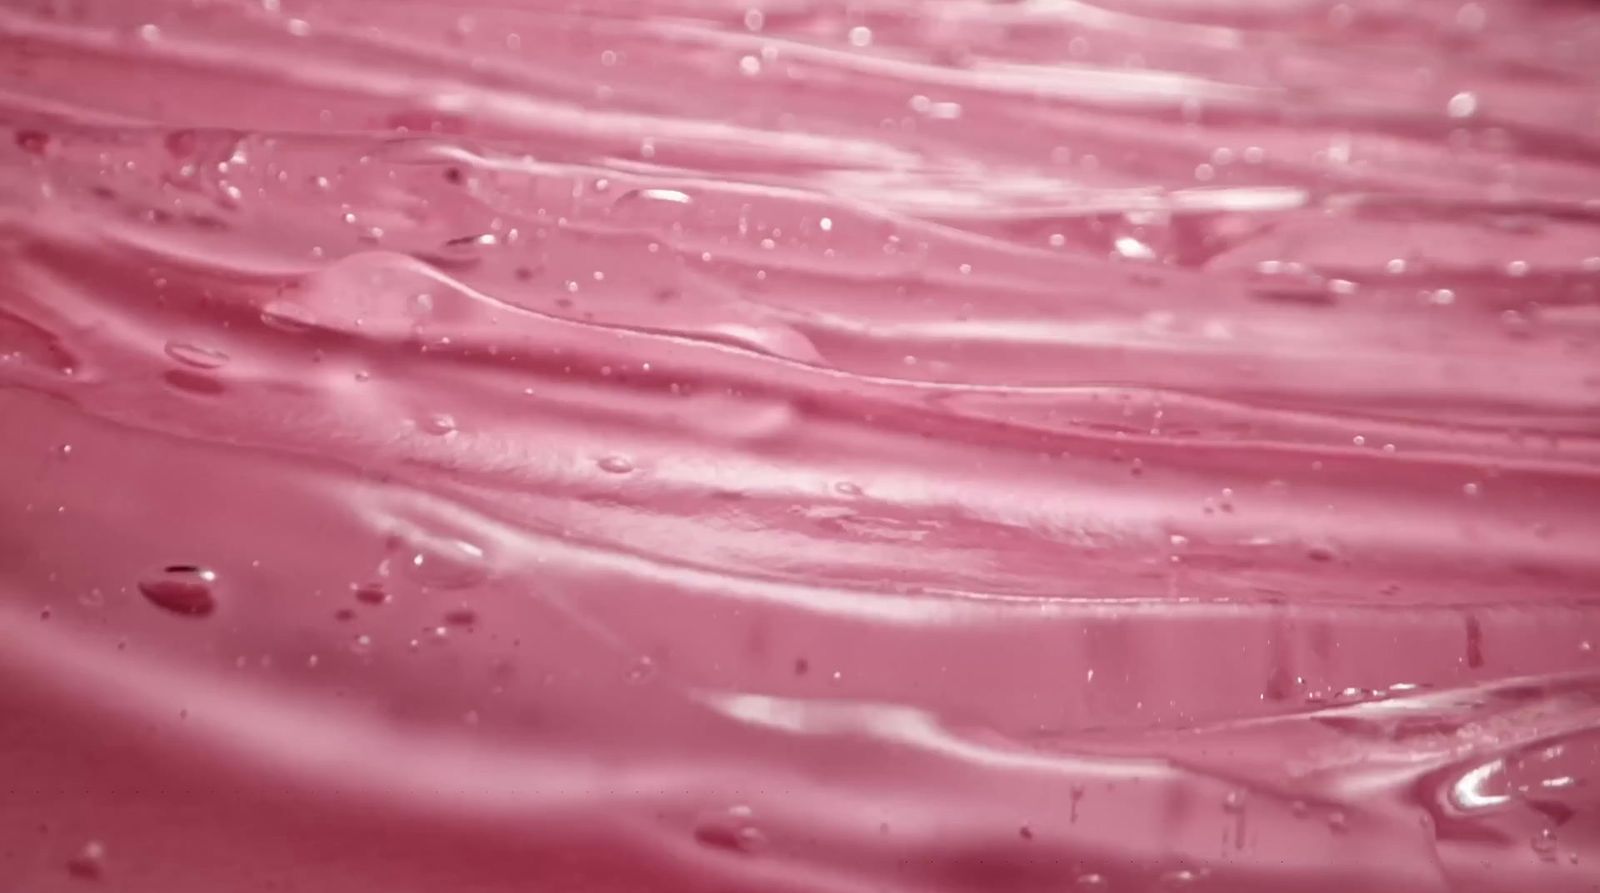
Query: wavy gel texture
{"type": "Point", "coordinates": [797, 446]}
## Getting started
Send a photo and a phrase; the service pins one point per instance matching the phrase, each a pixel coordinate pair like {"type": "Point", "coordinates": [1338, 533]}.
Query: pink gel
{"type": "Point", "coordinates": [698, 446]}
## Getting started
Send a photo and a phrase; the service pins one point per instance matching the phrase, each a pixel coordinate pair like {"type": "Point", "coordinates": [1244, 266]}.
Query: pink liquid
{"type": "Point", "coordinates": [680, 445]}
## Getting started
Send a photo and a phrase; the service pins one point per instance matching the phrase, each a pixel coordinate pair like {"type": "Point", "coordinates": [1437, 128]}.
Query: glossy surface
{"type": "Point", "coordinates": [697, 446]}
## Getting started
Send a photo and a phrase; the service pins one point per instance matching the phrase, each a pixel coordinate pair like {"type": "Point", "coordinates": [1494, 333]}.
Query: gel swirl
{"type": "Point", "coordinates": [696, 445]}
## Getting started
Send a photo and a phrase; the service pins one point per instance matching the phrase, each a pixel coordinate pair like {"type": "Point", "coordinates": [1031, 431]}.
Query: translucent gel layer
{"type": "Point", "coordinates": [884, 447]}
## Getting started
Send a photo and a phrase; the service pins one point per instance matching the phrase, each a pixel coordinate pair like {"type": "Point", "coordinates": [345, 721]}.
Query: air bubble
{"type": "Point", "coordinates": [1544, 844]}
{"type": "Point", "coordinates": [439, 424]}
{"type": "Point", "coordinates": [442, 562]}
{"type": "Point", "coordinates": [181, 589]}
{"type": "Point", "coordinates": [287, 316]}
{"type": "Point", "coordinates": [195, 355]}
{"type": "Point", "coordinates": [89, 863]}
{"type": "Point", "coordinates": [615, 465]}
{"type": "Point", "coordinates": [732, 830]}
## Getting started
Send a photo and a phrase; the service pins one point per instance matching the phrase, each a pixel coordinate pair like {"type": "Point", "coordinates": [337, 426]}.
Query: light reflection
{"type": "Point", "coordinates": [1469, 793]}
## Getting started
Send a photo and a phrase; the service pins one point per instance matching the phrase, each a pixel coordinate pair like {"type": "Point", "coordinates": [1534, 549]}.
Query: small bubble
{"type": "Point", "coordinates": [1471, 489]}
{"type": "Point", "coordinates": [1320, 553]}
{"type": "Point", "coordinates": [642, 670]}
{"type": "Point", "coordinates": [442, 562]}
{"type": "Point", "coordinates": [438, 424]}
{"type": "Point", "coordinates": [1516, 322]}
{"type": "Point", "coordinates": [749, 66]}
{"type": "Point", "coordinates": [1462, 105]}
{"type": "Point", "coordinates": [182, 589]}
{"type": "Point", "coordinates": [196, 356]}
{"type": "Point", "coordinates": [482, 240]}
{"type": "Point", "coordinates": [754, 19]}
{"type": "Point", "coordinates": [847, 488]}
{"type": "Point", "coordinates": [34, 142]}
{"type": "Point", "coordinates": [733, 830]}
{"type": "Point", "coordinates": [1182, 877]}
{"type": "Point", "coordinates": [636, 201]}
{"type": "Point", "coordinates": [1544, 844]}
{"type": "Point", "coordinates": [615, 465]}
{"type": "Point", "coordinates": [1133, 249]}
{"type": "Point", "coordinates": [1234, 802]}
{"type": "Point", "coordinates": [89, 863]}
{"type": "Point", "coordinates": [287, 316]}
{"type": "Point", "coordinates": [1091, 881]}
{"type": "Point", "coordinates": [860, 36]}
